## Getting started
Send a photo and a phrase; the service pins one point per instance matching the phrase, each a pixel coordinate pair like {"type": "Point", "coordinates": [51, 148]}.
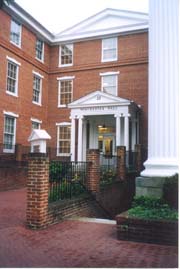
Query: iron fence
{"type": "Point", "coordinates": [66, 180]}
{"type": "Point", "coordinates": [108, 169]}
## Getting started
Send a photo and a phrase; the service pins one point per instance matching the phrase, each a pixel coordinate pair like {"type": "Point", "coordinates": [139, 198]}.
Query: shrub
{"type": "Point", "coordinates": [152, 208]}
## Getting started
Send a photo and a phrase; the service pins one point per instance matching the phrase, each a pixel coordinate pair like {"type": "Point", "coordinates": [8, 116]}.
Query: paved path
{"type": "Point", "coordinates": [70, 243]}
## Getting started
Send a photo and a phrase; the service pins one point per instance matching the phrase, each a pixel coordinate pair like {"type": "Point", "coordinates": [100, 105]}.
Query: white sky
{"type": "Point", "coordinates": [57, 15]}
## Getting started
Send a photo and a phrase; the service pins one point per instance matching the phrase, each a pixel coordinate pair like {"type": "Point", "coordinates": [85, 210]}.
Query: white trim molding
{"type": "Point", "coordinates": [63, 123]}
{"type": "Point", "coordinates": [11, 114]}
{"type": "Point", "coordinates": [36, 120]}
{"type": "Point", "coordinates": [66, 78]}
{"type": "Point", "coordinates": [13, 60]}
{"type": "Point", "coordinates": [109, 73]}
{"type": "Point", "coordinates": [37, 74]}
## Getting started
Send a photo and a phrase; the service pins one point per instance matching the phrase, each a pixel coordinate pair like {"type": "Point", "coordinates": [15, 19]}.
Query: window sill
{"type": "Point", "coordinates": [109, 60]}
{"type": "Point", "coordinates": [8, 150]}
{"type": "Point", "coordinates": [63, 154]}
{"type": "Point", "coordinates": [62, 106]}
{"type": "Point", "coordinates": [38, 104]}
{"type": "Point", "coordinates": [12, 94]}
{"type": "Point", "coordinates": [18, 46]}
{"type": "Point", "coordinates": [65, 65]}
{"type": "Point", "coordinates": [41, 61]}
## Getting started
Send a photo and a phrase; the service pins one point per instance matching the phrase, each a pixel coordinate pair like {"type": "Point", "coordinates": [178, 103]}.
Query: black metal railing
{"type": "Point", "coordinates": [66, 180]}
{"type": "Point", "coordinates": [131, 160]}
{"type": "Point", "coordinates": [108, 169]}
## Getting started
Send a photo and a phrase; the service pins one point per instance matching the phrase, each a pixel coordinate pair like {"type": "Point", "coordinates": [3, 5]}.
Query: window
{"type": "Point", "coordinates": [64, 139]}
{"type": "Point", "coordinates": [39, 49]}
{"type": "Point", "coordinates": [12, 75]}
{"type": "Point", "coordinates": [109, 49]}
{"type": "Point", "coordinates": [37, 90]}
{"type": "Point", "coordinates": [66, 55]}
{"type": "Point", "coordinates": [35, 125]}
{"type": "Point", "coordinates": [15, 35]}
{"type": "Point", "coordinates": [9, 133]}
{"type": "Point", "coordinates": [65, 92]}
{"type": "Point", "coordinates": [109, 84]}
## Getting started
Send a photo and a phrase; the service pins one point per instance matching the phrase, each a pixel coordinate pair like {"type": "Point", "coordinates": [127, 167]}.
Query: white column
{"type": "Point", "coordinates": [163, 89]}
{"type": "Point", "coordinates": [126, 132]}
{"type": "Point", "coordinates": [118, 130]}
{"type": "Point", "coordinates": [73, 133]}
{"type": "Point", "coordinates": [80, 136]}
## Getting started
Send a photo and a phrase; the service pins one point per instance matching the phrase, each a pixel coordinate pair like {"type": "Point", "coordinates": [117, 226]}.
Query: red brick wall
{"type": "Point", "coordinates": [22, 104]}
{"type": "Point", "coordinates": [13, 176]}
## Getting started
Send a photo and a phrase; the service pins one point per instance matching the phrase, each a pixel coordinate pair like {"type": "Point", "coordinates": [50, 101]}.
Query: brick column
{"type": "Point", "coordinates": [37, 190]}
{"type": "Point", "coordinates": [121, 162]}
{"type": "Point", "coordinates": [138, 157]}
{"type": "Point", "coordinates": [18, 152]}
{"type": "Point", "coordinates": [93, 170]}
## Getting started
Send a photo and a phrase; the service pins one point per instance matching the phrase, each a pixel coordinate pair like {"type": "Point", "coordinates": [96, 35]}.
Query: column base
{"type": "Point", "coordinates": [160, 168]}
{"type": "Point", "coordinates": [150, 186]}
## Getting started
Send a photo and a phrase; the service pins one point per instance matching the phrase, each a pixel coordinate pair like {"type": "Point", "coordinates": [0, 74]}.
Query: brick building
{"type": "Point", "coordinates": [87, 86]}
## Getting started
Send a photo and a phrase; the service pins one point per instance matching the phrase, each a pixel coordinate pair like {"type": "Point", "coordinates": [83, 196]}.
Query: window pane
{"type": "Point", "coordinates": [35, 125]}
{"type": "Point", "coordinates": [11, 77]}
{"type": "Point", "coordinates": [15, 32]}
{"type": "Point", "coordinates": [36, 89]}
{"type": "Point", "coordinates": [39, 49]}
{"type": "Point", "coordinates": [65, 92]}
{"type": "Point", "coordinates": [9, 130]}
{"type": "Point", "coordinates": [64, 139]}
{"type": "Point", "coordinates": [66, 54]}
{"type": "Point", "coordinates": [109, 49]}
{"type": "Point", "coordinates": [110, 84]}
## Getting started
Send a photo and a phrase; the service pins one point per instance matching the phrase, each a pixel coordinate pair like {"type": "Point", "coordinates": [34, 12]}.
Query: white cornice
{"type": "Point", "coordinates": [87, 29]}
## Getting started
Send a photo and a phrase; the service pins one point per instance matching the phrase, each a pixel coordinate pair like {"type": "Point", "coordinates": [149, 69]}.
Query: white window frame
{"type": "Point", "coordinates": [63, 124]}
{"type": "Point", "coordinates": [13, 61]}
{"type": "Point", "coordinates": [59, 79]}
{"type": "Point", "coordinates": [66, 65]}
{"type": "Point", "coordinates": [41, 60]}
{"type": "Point", "coordinates": [14, 116]}
{"type": "Point", "coordinates": [102, 50]}
{"type": "Point", "coordinates": [106, 74]}
{"type": "Point", "coordinates": [20, 35]}
{"type": "Point", "coordinates": [39, 122]}
{"type": "Point", "coordinates": [36, 74]}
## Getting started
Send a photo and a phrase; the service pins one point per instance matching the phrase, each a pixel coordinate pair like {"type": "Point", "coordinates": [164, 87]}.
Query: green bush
{"type": "Point", "coordinates": [152, 208]}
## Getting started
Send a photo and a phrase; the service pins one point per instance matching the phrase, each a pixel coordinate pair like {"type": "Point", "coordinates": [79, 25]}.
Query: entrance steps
{"type": "Point", "coordinates": [94, 220]}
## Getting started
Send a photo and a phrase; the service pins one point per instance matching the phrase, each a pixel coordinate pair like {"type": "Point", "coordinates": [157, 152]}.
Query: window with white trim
{"type": "Point", "coordinates": [39, 49]}
{"type": "Point", "coordinates": [65, 92]}
{"type": "Point", "coordinates": [109, 49]}
{"type": "Point", "coordinates": [63, 139]}
{"type": "Point", "coordinates": [36, 125]}
{"type": "Point", "coordinates": [109, 84]}
{"type": "Point", "coordinates": [37, 88]}
{"type": "Point", "coordinates": [9, 133]}
{"type": "Point", "coordinates": [15, 33]}
{"type": "Point", "coordinates": [12, 78]}
{"type": "Point", "coordinates": [66, 55]}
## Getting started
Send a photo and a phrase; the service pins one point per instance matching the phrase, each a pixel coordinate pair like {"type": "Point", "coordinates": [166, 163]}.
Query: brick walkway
{"type": "Point", "coordinates": [71, 243]}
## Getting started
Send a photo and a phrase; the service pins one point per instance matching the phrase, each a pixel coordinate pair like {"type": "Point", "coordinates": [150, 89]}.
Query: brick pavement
{"type": "Point", "coordinates": [71, 243]}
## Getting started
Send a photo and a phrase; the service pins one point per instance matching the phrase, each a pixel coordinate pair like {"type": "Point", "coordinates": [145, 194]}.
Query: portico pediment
{"type": "Point", "coordinates": [99, 98]}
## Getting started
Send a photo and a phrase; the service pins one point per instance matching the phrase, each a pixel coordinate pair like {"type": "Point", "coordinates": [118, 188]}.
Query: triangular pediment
{"type": "Point", "coordinates": [105, 22]}
{"type": "Point", "coordinates": [98, 98]}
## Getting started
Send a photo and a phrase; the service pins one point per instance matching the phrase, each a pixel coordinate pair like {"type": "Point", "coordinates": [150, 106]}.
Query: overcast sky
{"type": "Point", "coordinates": [57, 15]}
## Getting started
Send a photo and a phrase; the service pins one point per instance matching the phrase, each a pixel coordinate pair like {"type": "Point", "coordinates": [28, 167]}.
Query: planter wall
{"type": "Point", "coordinates": [148, 231]}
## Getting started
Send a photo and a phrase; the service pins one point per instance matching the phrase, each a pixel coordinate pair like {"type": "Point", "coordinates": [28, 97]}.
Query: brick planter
{"type": "Point", "coordinates": [148, 231]}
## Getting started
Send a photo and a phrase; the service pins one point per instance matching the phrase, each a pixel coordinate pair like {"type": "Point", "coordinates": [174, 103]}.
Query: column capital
{"type": "Point", "coordinates": [118, 115]}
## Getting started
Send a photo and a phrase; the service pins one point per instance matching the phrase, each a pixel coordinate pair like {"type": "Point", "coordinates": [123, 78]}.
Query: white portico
{"type": "Point", "coordinates": [103, 121]}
